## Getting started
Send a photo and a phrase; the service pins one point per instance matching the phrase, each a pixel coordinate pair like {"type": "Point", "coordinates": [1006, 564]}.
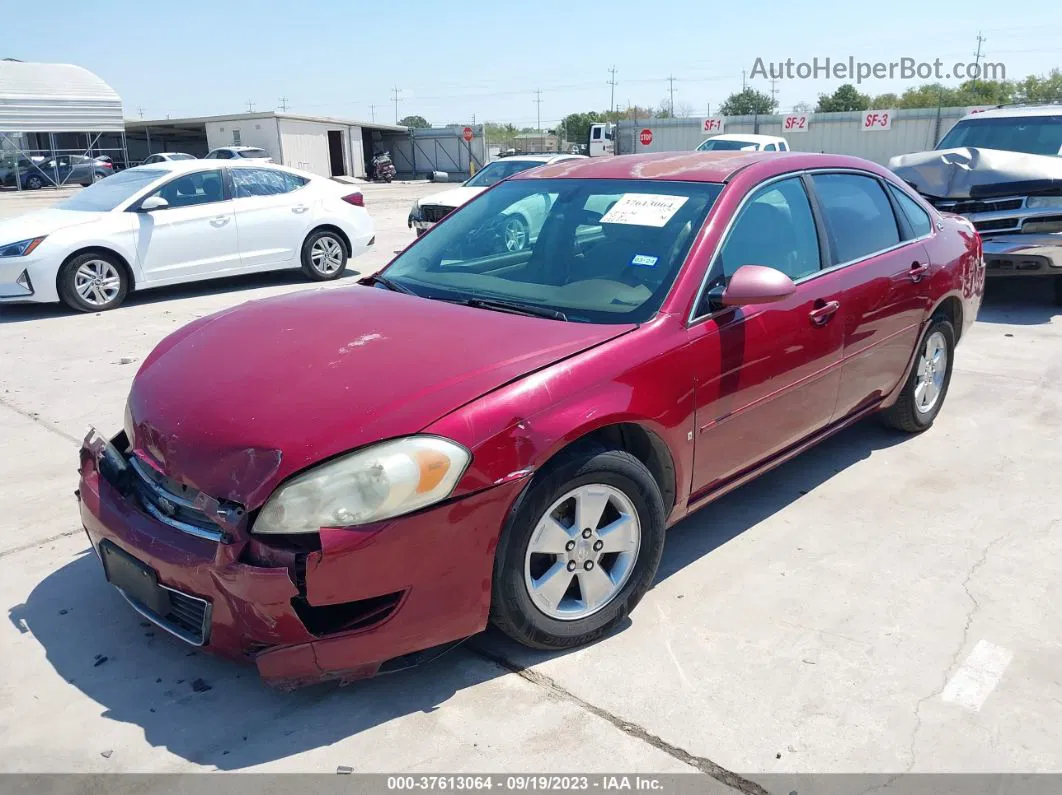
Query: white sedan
{"type": "Point", "coordinates": [180, 221]}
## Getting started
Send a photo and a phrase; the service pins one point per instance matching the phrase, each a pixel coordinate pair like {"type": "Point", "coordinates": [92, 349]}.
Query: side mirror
{"type": "Point", "coordinates": [153, 203]}
{"type": "Point", "coordinates": [754, 284]}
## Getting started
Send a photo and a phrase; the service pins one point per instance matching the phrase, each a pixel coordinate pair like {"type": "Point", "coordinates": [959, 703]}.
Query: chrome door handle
{"type": "Point", "coordinates": [219, 220]}
{"type": "Point", "coordinates": [918, 271]}
{"type": "Point", "coordinates": [299, 208]}
{"type": "Point", "coordinates": [821, 315]}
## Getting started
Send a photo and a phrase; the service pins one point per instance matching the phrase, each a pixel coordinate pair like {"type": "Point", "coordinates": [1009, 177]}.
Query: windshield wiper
{"type": "Point", "coordinates": [390, 285]}
{"type": "Point", "coordinates": [514, 307]}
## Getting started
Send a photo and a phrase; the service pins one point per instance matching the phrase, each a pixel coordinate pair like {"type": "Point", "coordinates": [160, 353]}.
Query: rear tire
{"type": "Point", "coordinates": [33, 182]}
{"type": "Point", "coordinates": [93, 282]}
{"type": "Point", "coordinates": [324, 255]}
{"type": "Point", "coordinates": [614, 581]}
{"type": "Point", "coordinates": [927, 385]}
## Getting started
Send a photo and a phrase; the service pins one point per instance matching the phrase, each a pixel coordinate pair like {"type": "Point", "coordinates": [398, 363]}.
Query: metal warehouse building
{"type": "Point", "coordinates": [319, 144]}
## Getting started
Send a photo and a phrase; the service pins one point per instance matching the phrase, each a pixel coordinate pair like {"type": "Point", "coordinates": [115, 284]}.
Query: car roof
{"type": "Point", "coordinates": [179, 166]}
{"type": "Point", "coordinates": [693, 166]}
{"type": "Point", "coordinates": [1013, 111]}
{"type": "Point", "coordinates": [237, 148]}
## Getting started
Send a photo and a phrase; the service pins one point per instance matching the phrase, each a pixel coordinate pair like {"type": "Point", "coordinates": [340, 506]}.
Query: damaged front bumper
{"type": "Point", "coordinates": [1023, 254]}
{"type": "Point", "coordinates": [342, 604]}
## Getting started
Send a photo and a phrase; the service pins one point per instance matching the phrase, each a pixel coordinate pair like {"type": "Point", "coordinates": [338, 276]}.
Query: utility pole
{"type": "Point", "coordinates": [283, 104]}
{"type": "Point", "coordinates": [743, 84]}
{"type": "Point", "coordinates": [671, 81]}
{"type": "Point", "coordinates": [140, 110]}
{"type": "Point", "coordinates": [372, 110]}
{"type": "Point", "coordinates": [977, 55]}
{"type": "Point", "coordinates": [395, 98]}
{"type": "Point", "coordinates": [538, 124]}
{"type": "Point", "coordinates": [774, 91]}
{"type": "Point", "coordinates": [612, 99]}
{"type": "Point", "coordinates": [250, 106]}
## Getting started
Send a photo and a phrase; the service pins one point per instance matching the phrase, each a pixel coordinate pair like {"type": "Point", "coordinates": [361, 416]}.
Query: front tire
{"type": "Point", "coordinates": [93, 282]}
{"type": "Point", "coordinates": [516, 234]}
{"type": "Point", "coordinates": [580, 550]}
{"type": "Point", "coordinates": [324, 256]}
{"type": "Point", "coordinates": [33, 182]}
{"type": "Point", "coordinates": [927, 385]}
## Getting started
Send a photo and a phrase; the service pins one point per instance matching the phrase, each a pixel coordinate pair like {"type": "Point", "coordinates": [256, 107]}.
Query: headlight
{"type": "Point", "coordinates": [385, 480]}
{"type": "Point", "coordinates": [1044, 202]}
{"type": "Point", "coordinates": [21, 248]}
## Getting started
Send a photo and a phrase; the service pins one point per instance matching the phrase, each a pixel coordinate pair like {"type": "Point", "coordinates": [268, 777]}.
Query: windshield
{"type": "Point", "coordinates": [253, 153]}
{"type": "Point", "coordinates": [109, 193]}
{"type": "Point", "coordinates": [599, 251]}
{"type": "Point", "coordinates": [499, 170]}
{"type": "Point", "coordinates": [715, 145]}
{"type": "Point", "coordinates": [1035, 135]}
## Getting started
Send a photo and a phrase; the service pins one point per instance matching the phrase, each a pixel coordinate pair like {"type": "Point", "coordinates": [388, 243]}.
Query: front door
{"type": "Point", "coordinates": [194, 236]}
{"type": "Point", "coordinates": [767, 376]}
{"type": "Point", "coordinates": [272, 214]}
{"type": "Point", "coordinates": [881, 260]}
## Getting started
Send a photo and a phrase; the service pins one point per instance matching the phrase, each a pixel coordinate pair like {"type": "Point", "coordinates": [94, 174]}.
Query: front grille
{"type": "Point", "coordinates": [171, 502]}
{"type": "Point", "coordinates": [188, 617]}
{"type": "Point", "coordinates": [997, 225]}
{"type": "Point", "coordinates": [434, 213]}
{"type": "Point", "coordinates": [968, 206]}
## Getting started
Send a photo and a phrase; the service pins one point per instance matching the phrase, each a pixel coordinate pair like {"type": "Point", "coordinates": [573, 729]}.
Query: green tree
{"type": "Point", "coordinates": [883, 101]}
{"type": "Point", "coordinates": [985, 92]}
{"type": "Point", "coordinates": [418, 122]}
{"type": "Point", "coordinates": [1040, 88]}
{"type": "Point", "coordinates": [929, 95]}
{"type": "Point", "coordinates": [663, 110]}
{"type": "Point", "coordinates": [747, 103]}
{"type": "Point", "coordinates": [576, 126]}
{"type": "Point", "coordinates": [844, 98]}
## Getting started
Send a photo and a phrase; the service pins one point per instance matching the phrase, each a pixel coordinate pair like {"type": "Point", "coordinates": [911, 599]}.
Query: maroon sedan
{"type": "Point", "coordinates": [342, 482]}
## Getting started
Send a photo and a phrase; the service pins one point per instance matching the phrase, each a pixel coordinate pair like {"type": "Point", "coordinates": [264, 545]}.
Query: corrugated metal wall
{"type": "Point", "coordinates": [419, 152]}
{"type": "Point", "coordinates": [913, 130]}
{"type": "Point", "coordinates": [49, 97]}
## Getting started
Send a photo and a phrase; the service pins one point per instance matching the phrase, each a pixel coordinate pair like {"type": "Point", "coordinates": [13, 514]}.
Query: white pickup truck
{"type": "Point", "coordinates": [745, 142]}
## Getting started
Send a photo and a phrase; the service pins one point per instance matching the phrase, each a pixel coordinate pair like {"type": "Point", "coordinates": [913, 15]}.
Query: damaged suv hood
{"type": "Point", "coordinates": [972, 173]}
{"type": "Point", "coordinates": [235, 402]}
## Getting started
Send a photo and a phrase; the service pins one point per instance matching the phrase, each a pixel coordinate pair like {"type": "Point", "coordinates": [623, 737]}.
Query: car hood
{"type": "Point", "coordinates": [977, 173]}
{"type": "Point", "coordinates": [43, 222]}
{"type": "Point", "coordinates": [452, 198]}
{"type": "Point", "coordinates": [235, 402]}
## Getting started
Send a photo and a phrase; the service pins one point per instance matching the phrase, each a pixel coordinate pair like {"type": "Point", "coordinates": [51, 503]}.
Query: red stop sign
{"type": "Point", "coordinates": [646, 137]}
{"type": "Point", "coordinates": [467, 134]}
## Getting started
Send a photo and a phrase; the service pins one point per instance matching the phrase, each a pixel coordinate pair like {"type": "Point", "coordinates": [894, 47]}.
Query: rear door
{"type": "Point", "coordinates": [195, 236]}
{"type": "Point", "coordinates": [880, 263]}
{"type": "Point", "coordinates": [274, 211]}
{"type": "Point", "coordinates": [765, 377]}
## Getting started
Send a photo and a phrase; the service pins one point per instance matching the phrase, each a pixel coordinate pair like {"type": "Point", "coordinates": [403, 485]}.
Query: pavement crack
{"type": "Point", "coordinates": [41, 543]}
{"type": "Point", "coordinates": [953, 664]}
{"type": "Point", "coordinates": [703, 764]}
{"type": "Point", "coordinates": [35, 417]}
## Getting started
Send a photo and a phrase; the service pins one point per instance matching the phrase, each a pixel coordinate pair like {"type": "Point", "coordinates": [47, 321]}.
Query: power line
{"type": "Point", "coordinates": [977, 55]}
{"type": "Point", "coordinates": [395, 98]}
{"type": "Point", "coordinates": [671, 82]}
{"type": "Point", "coordinates": [283, 104]}
{"type": "Point", "coordinates": [612, 82]}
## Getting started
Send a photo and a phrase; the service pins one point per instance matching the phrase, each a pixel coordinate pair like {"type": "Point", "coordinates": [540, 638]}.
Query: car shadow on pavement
{"type": "Point", "coordinates": [1017, 301]}
{"type": "Point", "coordinates": [219, 714]}
{"type": "Point", "coordinates": [22, 313]}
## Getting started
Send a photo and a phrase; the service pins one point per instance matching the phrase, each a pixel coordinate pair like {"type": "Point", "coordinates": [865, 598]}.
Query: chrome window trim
{"type": "Point", "coordinates": [694, 318]}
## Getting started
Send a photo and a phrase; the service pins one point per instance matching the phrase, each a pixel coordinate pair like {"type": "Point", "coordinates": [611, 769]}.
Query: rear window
{"type": "Point", "coordinates": [726, 146]}
{"type": "Point", "coordinates": [253, 153]}
{"type": "Point", "coordinates": [181, 157]}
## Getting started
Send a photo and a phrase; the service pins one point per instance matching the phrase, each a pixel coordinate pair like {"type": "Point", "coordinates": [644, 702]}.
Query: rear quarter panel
{"type": "Point", "coordinates": [959, 268]}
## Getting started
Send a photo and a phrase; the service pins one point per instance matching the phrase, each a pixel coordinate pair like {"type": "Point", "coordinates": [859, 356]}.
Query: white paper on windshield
{"type": "Point", "coordinates": [643, 209]}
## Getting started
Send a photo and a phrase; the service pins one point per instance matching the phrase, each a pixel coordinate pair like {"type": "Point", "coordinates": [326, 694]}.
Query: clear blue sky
{"type": "Point", "coordinates": [453, 60]}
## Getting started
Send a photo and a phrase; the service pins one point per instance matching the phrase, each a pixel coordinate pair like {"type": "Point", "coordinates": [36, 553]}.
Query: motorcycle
{"type": "Point", "coordinates": [382, 167]}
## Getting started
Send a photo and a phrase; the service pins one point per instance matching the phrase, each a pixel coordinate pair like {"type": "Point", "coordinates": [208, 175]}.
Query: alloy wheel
{"type": "Point", "coordinates": [326, 254]}
{"type": "Point", "coordinates": [932, 369]}
{"type": "Point", "coordinates": [515, 234]}
{"type": "Point", "coordinates": [97, 282]}
{"type": "Point", "coordinates": [582, 552]}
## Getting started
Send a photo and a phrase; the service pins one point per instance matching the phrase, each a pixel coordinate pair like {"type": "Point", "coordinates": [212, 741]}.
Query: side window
{"type": "Point", "coordinates": [203, 187]}
{"type": "Point", "coordinates": [782, 147]}
{"type": "Point", "coordinates": [916, 216]}
{"type": "Point", "coordinates": [770, 148]}
{"type": "Point", "coordinates": [259, 182]}
{"type": "Point", "coordinates": [858, 215]}
{"type": "Point", "coordinates": [776, 229]}
{"type": "Point", "coordinates": [597, 133]}
{"type": "Point", "coordinates": [293, 181]}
